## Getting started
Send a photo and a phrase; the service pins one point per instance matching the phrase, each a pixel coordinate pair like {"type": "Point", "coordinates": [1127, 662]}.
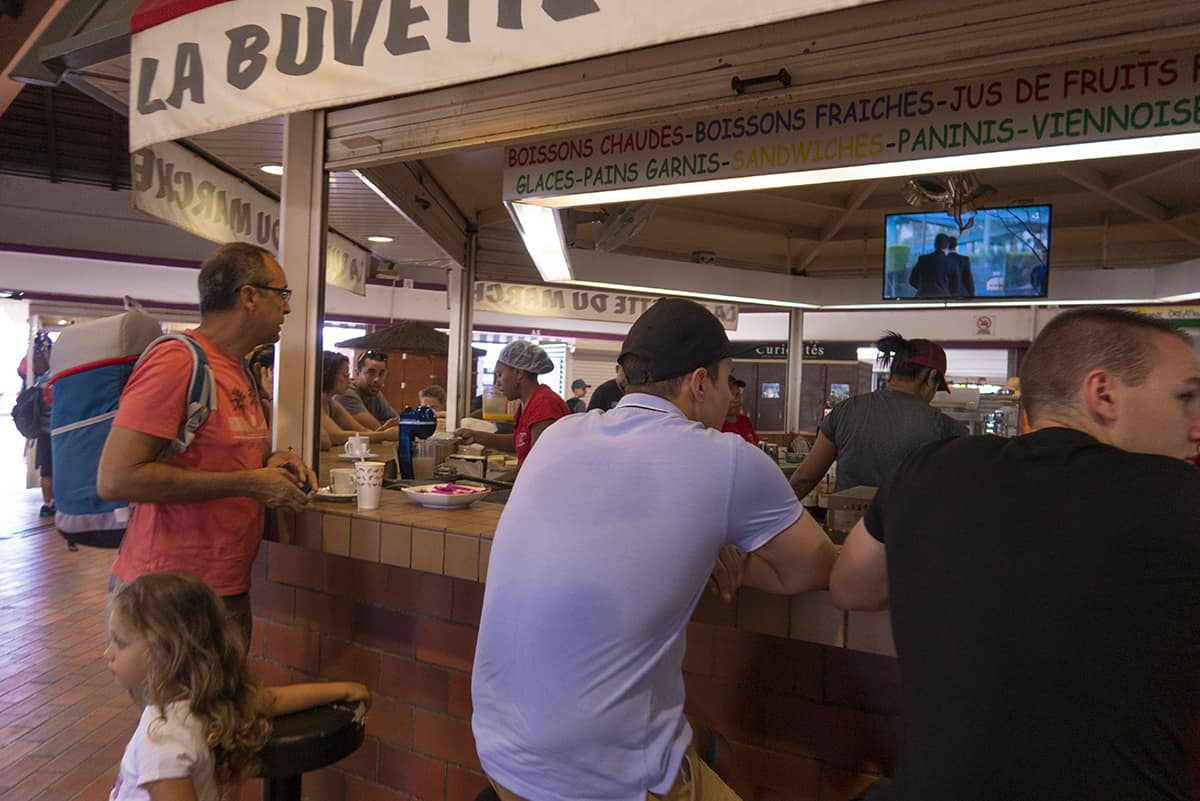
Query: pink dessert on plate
{"type": "Point", "coordinates": [448, 489]}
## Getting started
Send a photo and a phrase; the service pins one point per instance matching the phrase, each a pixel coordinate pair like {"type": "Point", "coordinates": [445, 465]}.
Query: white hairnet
{"type": "Point", "coordinates": [522, 355]}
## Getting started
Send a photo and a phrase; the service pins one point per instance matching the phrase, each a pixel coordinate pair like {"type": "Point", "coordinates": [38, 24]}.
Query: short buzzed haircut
{"type": "Point", "coordinates": [1082, 340]}
{"type": "Point", "coordinates": [637, 374]}
{"type": "Point", "coordinates": [228, 269]}
{"type": "Point", "coordinates": [941, 242]}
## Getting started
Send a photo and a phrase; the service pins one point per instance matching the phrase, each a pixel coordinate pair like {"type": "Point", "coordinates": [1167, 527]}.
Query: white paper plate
{"type": "Point", "coordinates": [347, 457]}
{"type": "Point", "coordinates": [435, 496]}
{"type": "Point", "coordinates": [327, 494]}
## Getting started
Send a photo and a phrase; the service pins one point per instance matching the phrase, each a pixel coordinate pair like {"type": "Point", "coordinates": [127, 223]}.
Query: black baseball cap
{"type": "Point", "coordinates": [674, 337]}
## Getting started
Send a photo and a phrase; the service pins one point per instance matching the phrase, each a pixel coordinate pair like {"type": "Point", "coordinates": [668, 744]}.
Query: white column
{"type": "Point", "coordinates": [795, 358]}
{"type": "Point", "coordinates": [454, 385]}
{"type": "Point", "coordinates": [301, 250]}
{"type": "Point", "coordinates": [460, 290]}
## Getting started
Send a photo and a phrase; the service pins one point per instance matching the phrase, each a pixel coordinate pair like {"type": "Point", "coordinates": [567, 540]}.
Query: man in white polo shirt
{"type": "Point", "coordinates": [577, 686]}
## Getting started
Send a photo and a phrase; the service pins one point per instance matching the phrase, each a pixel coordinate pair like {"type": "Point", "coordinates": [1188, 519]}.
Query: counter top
{"type": "Point", "coordinates": [480, 518]}
{"type": "Point", "coordinates": [401, 533]}
{"type": "Point", "coordinates": [458, 543]}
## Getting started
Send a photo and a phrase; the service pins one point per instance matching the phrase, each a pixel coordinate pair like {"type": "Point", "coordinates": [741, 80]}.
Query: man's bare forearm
{"type": "Point", "coordinates": [500, 442]}
{"type": "Point", "coordinates": [156, 482]}
{"type": "Point", "coordinates": [803, 485]}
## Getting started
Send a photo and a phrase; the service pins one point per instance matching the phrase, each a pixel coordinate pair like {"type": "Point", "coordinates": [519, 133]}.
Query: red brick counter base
{"type": "Point", "coordinates": [392, 599]}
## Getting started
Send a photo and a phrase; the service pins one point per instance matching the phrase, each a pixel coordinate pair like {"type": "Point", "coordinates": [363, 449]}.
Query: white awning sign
{"type": "Point", "coordinates": [198, 69]}
{"type": "Point", "coordinates": [175, 185]}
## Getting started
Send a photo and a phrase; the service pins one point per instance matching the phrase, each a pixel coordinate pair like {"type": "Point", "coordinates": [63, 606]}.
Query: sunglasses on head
{"type": "Point", "coordinates": [373, 355]}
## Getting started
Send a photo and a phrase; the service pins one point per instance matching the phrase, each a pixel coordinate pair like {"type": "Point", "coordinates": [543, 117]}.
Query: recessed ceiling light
{"type": "Point", "coordinates": [62, 322]}
{"type": "Point", "coordinates": [271, 169]}
{"type": "Point", "coordinates": [380, 239]}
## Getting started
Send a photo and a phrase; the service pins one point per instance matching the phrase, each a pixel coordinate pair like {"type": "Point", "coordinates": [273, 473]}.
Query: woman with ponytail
{"type": "Point", "coordinates": [870, 435]}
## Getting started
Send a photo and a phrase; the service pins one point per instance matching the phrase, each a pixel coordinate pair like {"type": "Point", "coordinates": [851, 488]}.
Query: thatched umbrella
{"type": "Point", "coordinates": [407, 336]}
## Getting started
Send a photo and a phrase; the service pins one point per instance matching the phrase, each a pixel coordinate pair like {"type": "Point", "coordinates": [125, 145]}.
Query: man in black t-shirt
{"type": "Point", "coordinates": [608, 394]}
{"type": "Point", "coordinates": [1045, 590]}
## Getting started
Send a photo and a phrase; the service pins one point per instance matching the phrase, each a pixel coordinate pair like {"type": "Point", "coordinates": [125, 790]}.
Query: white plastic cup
{"type": "Point", "coordinates": [358, 445]}
{"type": "Point", "coordinates": [368, 476]}
{"type": "Point", "coordinates": [342, 480]}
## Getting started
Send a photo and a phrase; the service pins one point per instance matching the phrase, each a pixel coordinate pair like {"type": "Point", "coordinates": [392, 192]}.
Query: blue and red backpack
{"type": "Point", "coordinates": [90, 365]}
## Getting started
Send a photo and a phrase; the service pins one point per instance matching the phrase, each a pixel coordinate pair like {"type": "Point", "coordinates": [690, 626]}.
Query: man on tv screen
{"type": "Point", "coordinates": [966, 282]}
{"type": "Point", "coordinates": [935, 275]}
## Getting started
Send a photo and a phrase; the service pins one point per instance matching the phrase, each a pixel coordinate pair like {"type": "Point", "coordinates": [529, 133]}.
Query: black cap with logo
{"type": "Point", "coordinates": [674, 337]}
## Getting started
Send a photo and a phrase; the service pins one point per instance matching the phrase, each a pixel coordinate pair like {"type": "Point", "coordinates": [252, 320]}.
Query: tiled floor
{"type": "Point", "coordinates": [63, 723]}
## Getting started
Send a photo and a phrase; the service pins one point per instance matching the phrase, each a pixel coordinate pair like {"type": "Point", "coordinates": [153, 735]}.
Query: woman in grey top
{"type": "Point", "coordinates": [870, 435]}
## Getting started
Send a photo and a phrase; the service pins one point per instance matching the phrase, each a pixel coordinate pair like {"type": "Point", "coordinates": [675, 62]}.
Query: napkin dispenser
{"type": "Point", "coordinates": [468, 465]}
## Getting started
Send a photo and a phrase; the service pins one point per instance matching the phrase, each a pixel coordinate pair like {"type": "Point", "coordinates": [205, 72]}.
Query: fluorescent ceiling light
{"type": "Point", "coordinates": [895, 169]}
{"type": "Point", "coordinates": [271, 169]}
{"type": "Point", "coordinates": [683, 293]}
{"type": "Point", "coordinates": [1097, 302]}
{"type": "Point", "coordinates": [872, 306]}
{"type": "Point", "coordinates": [997, 302]}
{"type": "Point", "coordinates": [380, 239]}
{"type": "Point", "coordinates": [541, 230]}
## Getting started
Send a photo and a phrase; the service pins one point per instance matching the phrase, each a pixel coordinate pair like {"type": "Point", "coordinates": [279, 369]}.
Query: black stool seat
{"type": "Point", "coordinates": [308, 740]}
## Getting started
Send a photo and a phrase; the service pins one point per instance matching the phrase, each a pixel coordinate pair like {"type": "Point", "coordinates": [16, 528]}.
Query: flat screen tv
{"type": "Point", "coordinates": [1002, 253]}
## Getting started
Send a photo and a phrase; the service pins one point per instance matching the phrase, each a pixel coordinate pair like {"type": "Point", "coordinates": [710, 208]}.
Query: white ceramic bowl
{"type": "Point", "coordinates": [446, 496]}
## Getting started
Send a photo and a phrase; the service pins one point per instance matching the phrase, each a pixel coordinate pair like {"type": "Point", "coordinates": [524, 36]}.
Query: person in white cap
{"type": "Point", "coordinates": [517, 369]}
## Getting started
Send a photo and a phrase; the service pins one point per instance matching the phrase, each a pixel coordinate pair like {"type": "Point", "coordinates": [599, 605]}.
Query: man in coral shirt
{"type": "Point", "coordinates": [201, 511]}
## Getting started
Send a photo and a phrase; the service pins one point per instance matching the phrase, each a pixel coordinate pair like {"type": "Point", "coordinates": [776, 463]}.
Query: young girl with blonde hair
{"type": "Point", "coordinates": [173, 648]}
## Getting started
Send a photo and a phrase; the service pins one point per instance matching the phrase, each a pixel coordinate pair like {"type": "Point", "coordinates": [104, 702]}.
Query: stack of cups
{"type": "Point", "coordinates": [368, 477]}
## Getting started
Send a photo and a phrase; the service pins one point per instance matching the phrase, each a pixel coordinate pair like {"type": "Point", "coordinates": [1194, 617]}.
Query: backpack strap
{"type": "Point", "coordinates": [201, 396]}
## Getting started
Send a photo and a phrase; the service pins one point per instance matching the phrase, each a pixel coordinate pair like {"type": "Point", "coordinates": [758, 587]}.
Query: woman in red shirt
{"type": "Point", "coordinates": [736, 420]}
{"type": "Point", "coordinates": [517, 369]}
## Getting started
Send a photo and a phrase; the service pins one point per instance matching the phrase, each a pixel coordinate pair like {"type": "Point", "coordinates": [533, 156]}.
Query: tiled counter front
{"type": "Point", "coordinates": [807, 695]}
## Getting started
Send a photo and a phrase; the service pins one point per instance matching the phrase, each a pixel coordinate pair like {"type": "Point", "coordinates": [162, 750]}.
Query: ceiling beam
{"type": "Point", "coordinates": [495, 216]}
{"type": "Point", "coordinates": [1138, 177]}
{"type": "Point", "coordinates": [856, 200]}
{"type": "Point", "coordinates": [413, 193]}
{"type": "Point", "coordinates": [1189, 210]}
{"type": "Point", "coordinates": [801, 197]}
{"type": "Point", "coordinates": [716, 219]}
{"type": "Point", "coordinates": [17, 37]}
{"type": "Point", "coordinates": [1139, 204]}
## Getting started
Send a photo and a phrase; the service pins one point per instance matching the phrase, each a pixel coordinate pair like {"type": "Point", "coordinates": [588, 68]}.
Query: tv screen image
{"type": "Point", "coordinates": [1003, 253]}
